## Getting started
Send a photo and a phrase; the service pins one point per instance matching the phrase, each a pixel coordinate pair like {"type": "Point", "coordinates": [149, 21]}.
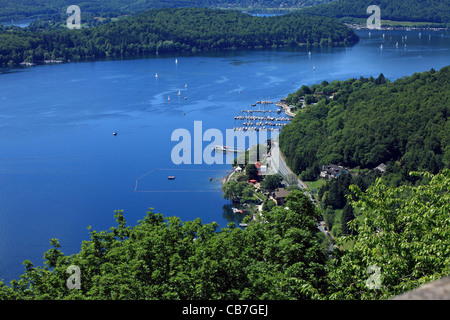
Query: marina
{"type": "Point", "coordinates": [262, 119]}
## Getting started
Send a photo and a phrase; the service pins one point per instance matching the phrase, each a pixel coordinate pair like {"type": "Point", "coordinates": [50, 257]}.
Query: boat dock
{"type": "Point", "coordinates": [262, 119]}
{"type": "Point", "coordinates": [225, 149]}
{"type": "Point", "coordinates": [264, 102]}
{"type": "Point", "coordinates": [287, 109]}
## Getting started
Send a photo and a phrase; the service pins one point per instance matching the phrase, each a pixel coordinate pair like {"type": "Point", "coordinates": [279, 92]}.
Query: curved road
{"type": "Point", "coordinates": [279, 165]}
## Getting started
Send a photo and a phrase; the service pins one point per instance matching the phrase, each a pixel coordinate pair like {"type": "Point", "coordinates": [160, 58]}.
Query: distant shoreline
{"type": "Point", "coordinates": [356, 26]}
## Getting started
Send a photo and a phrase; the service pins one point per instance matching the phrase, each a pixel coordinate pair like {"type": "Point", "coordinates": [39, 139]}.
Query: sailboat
{"type": "Point", "coordinates": [381, 47]}
{"type": "Point", "coordinates": [185, 85]}
{"type": "Point", "coordinates": [314, 68]}
{"type": "Point", "coordinates": [176, 60]}
{"type": "Point", "coordinates": [179, 92]}
{"type": "Point", "coordinates": [168, 98]}
{"type": "Point", "coordinates": [156, 75]}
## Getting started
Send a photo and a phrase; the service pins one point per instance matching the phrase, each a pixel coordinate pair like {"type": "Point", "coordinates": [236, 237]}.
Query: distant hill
{"type": "Point", "coordinates": [27, 9]}
{"type": "Point", "coordinates": [172, 30]}
{"type": "Point", "coordinates": [437, 11]}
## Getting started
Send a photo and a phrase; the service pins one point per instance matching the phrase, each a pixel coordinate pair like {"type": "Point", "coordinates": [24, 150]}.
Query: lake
{"type": "Point", "coordinates": [62, 169]}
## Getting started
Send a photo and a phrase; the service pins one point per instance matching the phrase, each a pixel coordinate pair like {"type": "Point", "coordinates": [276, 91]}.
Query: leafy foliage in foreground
{"type": "Point", "coordinates": [403, 230]}
{"type": "Point", "coordinates": [163, 258]}
{"type": "Point", "coordinates": [172, 30]}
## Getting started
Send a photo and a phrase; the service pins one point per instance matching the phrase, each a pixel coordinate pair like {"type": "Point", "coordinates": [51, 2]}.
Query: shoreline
{"type": "Point", "coordinates": [189, 53]}
{"type": "Point", "coordinates": [358, 26]}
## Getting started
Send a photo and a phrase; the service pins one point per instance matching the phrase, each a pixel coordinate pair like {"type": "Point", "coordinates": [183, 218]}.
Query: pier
{"type": "Point", "coordinates": [263, 119]}
{"type": "Point", "coordinates": [225, 149]}
{"type": "Point", "coordinates": [287, 109]}
{"type": "Point", "coordinates": [264, 102]}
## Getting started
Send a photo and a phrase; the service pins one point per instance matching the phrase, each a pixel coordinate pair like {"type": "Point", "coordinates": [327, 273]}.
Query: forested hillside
{"type": "Point", "coordinates": [25, 9]}
{"type": "Point", "coordinates": [398, 10]}
{"type": "Point", "coordinates": [172, 30]}
{"type": "Point", "coordinates": [365, 122]}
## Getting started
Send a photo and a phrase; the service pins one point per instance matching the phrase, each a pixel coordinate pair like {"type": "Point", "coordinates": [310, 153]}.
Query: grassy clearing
{"type": "Point", "coordinates": [315, 184]}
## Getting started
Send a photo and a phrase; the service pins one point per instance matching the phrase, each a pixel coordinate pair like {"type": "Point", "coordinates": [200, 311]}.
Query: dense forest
{"type": "Point", "coordinates": [365, 122]}
{"type": "Point", "coordinates": [172, 30]}
{"type": "Point", "coordinates": [43, 9]}
{"type": "Point", "coordinates": [399, 10]}
{"type": "Point", "coordinates": [402, 231]}
{"type": "Point", "coordinates": [362, 123]}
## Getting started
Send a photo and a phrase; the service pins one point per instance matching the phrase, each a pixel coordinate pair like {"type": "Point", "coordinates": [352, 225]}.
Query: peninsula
{"type": "Point", "coordinates": [172, 31]}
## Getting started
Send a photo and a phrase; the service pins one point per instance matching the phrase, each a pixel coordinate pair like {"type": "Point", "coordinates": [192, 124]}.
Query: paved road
{"type": "Point", "coordinates": [279, 165]}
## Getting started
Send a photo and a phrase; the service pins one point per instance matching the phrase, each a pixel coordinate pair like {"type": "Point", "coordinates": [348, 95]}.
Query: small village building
{"type": "Point", "coordinates": [381, 167]}
{"type": "Point", "coordinates": [280, 196]}
{"type": "Point", "coordinates": [332, 171]}
{"type": "Point", "coordinates": [258, 166]}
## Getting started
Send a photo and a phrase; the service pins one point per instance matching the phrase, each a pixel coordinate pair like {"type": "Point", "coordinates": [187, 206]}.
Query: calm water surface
{"type": "Point", "coordinates": [62, 170]}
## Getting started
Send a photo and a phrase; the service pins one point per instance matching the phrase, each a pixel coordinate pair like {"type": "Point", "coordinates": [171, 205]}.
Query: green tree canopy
{"type": "Point", "coordinates": [251, 171]}
{"type": "Point", "coordinates": [403, 124]}
{"type": "Point", "coordinates": [404, 231]}
{"type": "Point", "coordinates": [271, 182]}
{"type": "Point", "coordinates": [399, 10]}
{"type": "Point", "coordinates": [168, 31]}
{"type": "Point", "coordinates": [165, 258]}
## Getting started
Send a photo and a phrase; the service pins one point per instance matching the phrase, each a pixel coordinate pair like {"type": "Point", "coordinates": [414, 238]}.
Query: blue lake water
{"type": "Point", "coordinates": [62, 170]}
